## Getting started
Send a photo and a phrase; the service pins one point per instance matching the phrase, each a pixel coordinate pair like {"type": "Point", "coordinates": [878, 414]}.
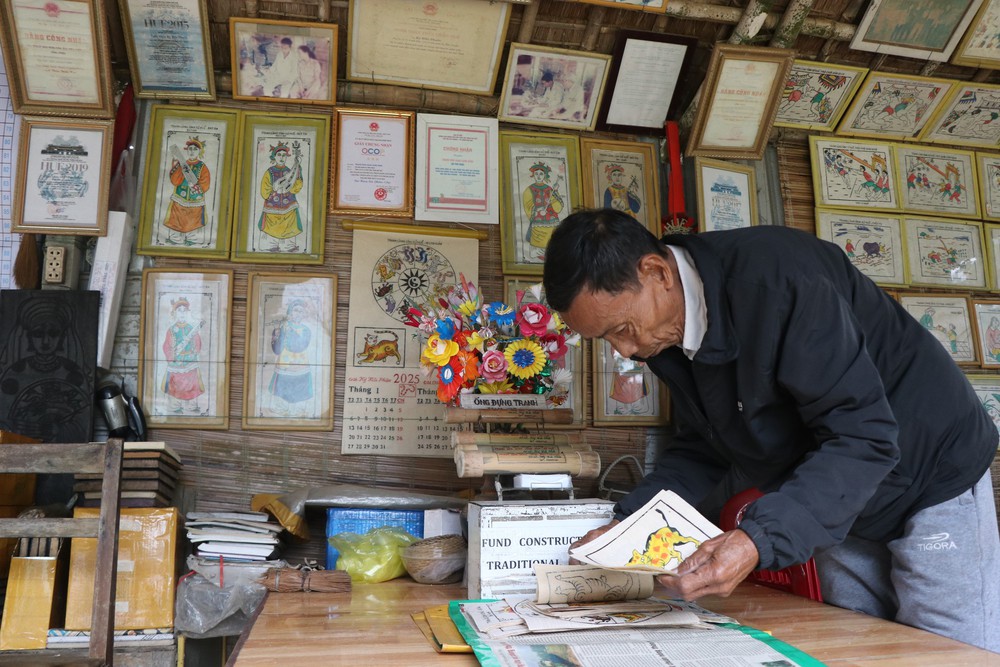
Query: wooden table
{"type": "Point", "coordinates": [372, 626]}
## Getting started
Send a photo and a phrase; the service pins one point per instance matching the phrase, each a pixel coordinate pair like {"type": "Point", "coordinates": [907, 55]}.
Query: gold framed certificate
{"type": "Point", "coordinates": [374, 163]}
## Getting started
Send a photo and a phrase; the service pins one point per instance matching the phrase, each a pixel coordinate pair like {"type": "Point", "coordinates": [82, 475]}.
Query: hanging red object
{"type": "Point", "coordinates": [677, 219]}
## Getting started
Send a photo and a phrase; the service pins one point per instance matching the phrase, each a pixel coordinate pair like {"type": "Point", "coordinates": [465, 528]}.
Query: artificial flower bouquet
{"type": "Point", "coordinates": [493, 348]}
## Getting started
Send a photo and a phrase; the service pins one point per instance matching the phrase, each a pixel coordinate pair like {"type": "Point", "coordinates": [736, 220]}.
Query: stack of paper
{"type": "Point", "coordinates": [249, 536]}
{"type": "Point", "coordinates": [68, 639]}
{"type": "Point", "coordinates": [150, 472]}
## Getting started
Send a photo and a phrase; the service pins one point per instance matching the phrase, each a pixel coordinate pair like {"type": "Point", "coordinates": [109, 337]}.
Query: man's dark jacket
{"type": "Point", "coordinates": [814, 385]}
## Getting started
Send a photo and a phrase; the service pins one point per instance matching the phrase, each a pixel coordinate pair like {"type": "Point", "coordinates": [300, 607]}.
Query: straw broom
{"type": "Point", "coordinates": [292, 580]}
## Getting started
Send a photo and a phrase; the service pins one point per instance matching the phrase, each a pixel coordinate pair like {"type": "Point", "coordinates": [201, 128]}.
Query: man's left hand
{"type": "Point", "coordinates": [716, 568]}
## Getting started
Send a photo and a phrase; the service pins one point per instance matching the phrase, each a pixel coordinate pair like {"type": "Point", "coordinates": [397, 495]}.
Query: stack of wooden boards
{"type": "Point", "coordinates": [150, 472]}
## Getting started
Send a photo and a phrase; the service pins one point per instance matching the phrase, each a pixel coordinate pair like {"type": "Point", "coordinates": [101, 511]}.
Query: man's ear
{"type": "Point", "coordinates": [656, 268]}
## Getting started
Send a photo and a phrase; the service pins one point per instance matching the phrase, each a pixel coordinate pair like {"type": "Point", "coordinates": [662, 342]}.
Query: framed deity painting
{"type": "Point", "coordinates": [626, 393]}
{"type": "Point", "coordinates": [853, 174]}
{"type": "Point", "coordinates": [988, 170]}
{"type": "Point", "coordinates": [290, 343]}
{"type": "Point", "coordinates": [281, 212]}
{"type": "Point", "coordinates": [937, 181]}
{"type": "Point", "coordinates": [727, 195]}
{"type": "Point", "coordinates": [921, 29]}
{"type": "Point", "coordinates": [184, 356]}
{"type": "Point", "coordinates": [894, 106]}
{"type": "Point", "coordinates": [968, 118]}
{"type": "Point", "coordinates": [987, 388]}
{"type": "Point", "coordinates": [622, 175]}
{"type": "Point", "coordinates": [187, 204]}
{"type": "Point", "coordinates": [986, 315]}
{"type": "Point", "coordinates": [980, 47]}
{"type": "Point", "coordinates": [540, 187]}
{"type": "Point", "coordinates": [283, 61]}
{"type": "Point", "coordinates": [944, 253]}
{"type": "Point", "coordinates": [816, 95]}
{"type": "Point", "coordinates": [947, 318]}
{"type": "Point", "coordinates": [873, 242]}
{"type": "Point", "coordinates": [572, 393]}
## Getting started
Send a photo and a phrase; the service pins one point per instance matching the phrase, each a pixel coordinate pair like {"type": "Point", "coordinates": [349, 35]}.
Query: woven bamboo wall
{"type": "Point", "coordinates": [223, 469]}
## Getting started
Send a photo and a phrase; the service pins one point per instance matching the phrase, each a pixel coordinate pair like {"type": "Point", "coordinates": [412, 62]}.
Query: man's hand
{"type": "Point", "coordinates": [716, 568]}
{"type": "Point", "coordinates": [592, 535]}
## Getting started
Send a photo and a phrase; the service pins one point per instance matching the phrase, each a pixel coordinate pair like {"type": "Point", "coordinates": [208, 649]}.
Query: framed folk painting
{"type": "Point", "coordinates": [283, 61]}
{"type": "Point", "coordinates": [71, 80]}
{"type": "Point", "coordinates": [968, 118]}
{"type": "Point", "coordinates": [187, 204]}
{"type": "Point", "coordinates": [727, 195]}
{"type": "Point", "coordinates": [553, 87]}
{"type": "Point", "coordinates": [540, 187]}
{"type": "Point", "coordinates": [290, 341]}
{"type": "Point", "coordinates": [622, 175]}
{"type": "Point", "coordinates": [816, 95]}
{"type": "Point", "coordinates": [939, 181]}
{"type": "Point", "coordinates": [988, 170]}
{"type": "Point", "coordinates": [987, 388]}
{"type": "Point", "coordinates": [626, 393]}
{"type": "Point", "coordinates": [921, 29]}
{"type": "Point", "coordinates": [281, 214]}
{"type": "Point", "coordinates": [853, 174]}
{"type": "Point", "coordinates": [373, 163]}
{"type": "Point", "coordinates": [169, 51]}
{"type": "Point", "coordinates": [184, 359]}
{"type": "Point", "coordinates": [986, 315]}
{"type": "Point", "coordinates": [979, 47]}
{"type": "Point", "coordinates": [944, 253]}
{"type": "Point", "coordinates": [63, 176]}
{"type": "Point", "coordinates": [894, 106]}
{"type": "Point", "coordinates": [873, 242]}
{"type": "Point", "coordinates": [738, 102]}
{"type": "Point", "coordinates": [570, 367]}
{"type": "Point", "coordinates": [991, 235]}
{"type": "Point", "coordinates": [947, 318]}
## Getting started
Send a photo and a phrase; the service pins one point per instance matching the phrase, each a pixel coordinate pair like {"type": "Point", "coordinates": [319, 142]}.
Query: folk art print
{"type": "Point", "coordinates": [945, 253]}
{"type": "Point", "coordinates": [854, 174]}
{"type": "Point", "coordinates": [817, 94]}
{"type": "Point", "coordinates": [937, 181]}
{"type": "Point", "coordinates": [987, 319]}
{"type": "Point", "coordinates": [894, 106]}
{"type": "Point", "coordinates": [872, 242]}
{"type": "Point", "coordinates": [947, 319]}
{"type": "Point", "coordinates": [970, 118]}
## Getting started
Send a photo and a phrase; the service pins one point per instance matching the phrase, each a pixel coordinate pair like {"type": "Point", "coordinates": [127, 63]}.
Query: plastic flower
{"type": "Point", "coordinates": [469, 362]}
{"type": "Point", "coordinates": [477, 340]}
{"type": "Point", "coordinates": [450, 380]}
{"type": "Point", "coordinates": [561, 376]}
{"type": "Point", "coordinates": [494, 366]}
{"type": "Point", "coordinates": [525, 358]}
{"type": "Point", "coordinates": [438, 351]}
{"type": "Point", "coordinates": [445, 328]}
{"type": "Point", "coordinates": [501, 313]}
{"type": "Point", "coordinates": [554, 345]}
{"type": "Point", "coordinates": [533, 320]}
{"type": "Point", "coordinates": [502, 387]}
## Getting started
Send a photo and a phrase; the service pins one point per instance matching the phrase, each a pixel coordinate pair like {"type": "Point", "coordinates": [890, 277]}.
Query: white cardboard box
{"type": "Point", "coordinates": [506, 539]}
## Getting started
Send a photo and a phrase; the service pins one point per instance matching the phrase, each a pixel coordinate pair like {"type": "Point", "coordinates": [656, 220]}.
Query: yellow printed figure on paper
{"type": "Point", "coordinates": [661, 548]}
{"type": "Point", "coordinates": [190, 179]}
{"type": "Point", "coordinates": [542, 205]}
{"type": "Point", "coordinates": [280, 220]}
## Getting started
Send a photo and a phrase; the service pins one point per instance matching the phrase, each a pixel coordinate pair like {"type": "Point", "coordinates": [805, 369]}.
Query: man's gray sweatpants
{"type": "Point", "coordinates": [942, 575]}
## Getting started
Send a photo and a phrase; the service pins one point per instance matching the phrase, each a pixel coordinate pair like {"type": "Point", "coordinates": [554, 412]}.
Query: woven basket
{"type": "Point", "coordinates": [436, 560]}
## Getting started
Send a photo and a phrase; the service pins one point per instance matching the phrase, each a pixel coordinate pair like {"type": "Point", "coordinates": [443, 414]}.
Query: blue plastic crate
{"type": "Point", "coordinates": [361, 520]}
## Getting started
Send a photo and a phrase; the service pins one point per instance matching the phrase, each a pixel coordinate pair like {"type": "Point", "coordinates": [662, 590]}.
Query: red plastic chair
{"type": "Point", "coordinates": [798, 579]}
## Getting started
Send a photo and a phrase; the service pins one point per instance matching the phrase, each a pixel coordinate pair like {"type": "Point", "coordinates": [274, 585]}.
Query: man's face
{"type": "Point", "coordinates": [280, 157]}
{"type": "Point", "coordinates": [286, 48]}
{"type": "Point", "coordinates": [641, 321]}
{"type": "Point", "coordinates": [192, 151]}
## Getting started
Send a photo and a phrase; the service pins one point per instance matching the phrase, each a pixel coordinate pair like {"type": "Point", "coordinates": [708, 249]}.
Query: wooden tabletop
{"type": "Point", "coordinates": [372, 625]}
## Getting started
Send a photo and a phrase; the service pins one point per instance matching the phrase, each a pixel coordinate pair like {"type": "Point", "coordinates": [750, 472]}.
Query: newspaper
{"type": "Point", "coordinates": [628, 645]}
{"type": "Point", "coordinates": [655, 539]}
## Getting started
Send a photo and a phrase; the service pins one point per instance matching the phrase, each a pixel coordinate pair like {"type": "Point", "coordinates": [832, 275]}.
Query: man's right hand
{"type": "Point", "coordinates": [592, 535]}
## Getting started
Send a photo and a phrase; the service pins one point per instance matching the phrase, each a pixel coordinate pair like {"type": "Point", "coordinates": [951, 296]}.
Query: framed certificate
{"type": "Point", "coordinates": [738, 101]}
{"type": "Point", "coordinates": [284, 61]}
{"type": "Point", "coordinates": [622, 175]}
{"type": "Point", "coordinates": [187, 204]}
{"type": "Point", "coordinates": [184, 361]}
{"type": "Point", "coordinates": [57, 59]}
{"type": "Point", "coordinates": [456, 172]}
{"type": "Point", "coordinates": [540, 180]}
{"type": "Point", "coordinates": [169, 52]}
{"type": "Point", "coordinates": [553, 87]}
{"type": "Point", "coordinates": [647, 73]}
{"type": "Point", "coordinates": [727, 195]}
{"type": "Point", "coordinates": [290, 346]}
{"type": "Point", "coordinates": [373, 151]}
{"type": "Point", "coordinates": [453, 45]}
{"type": "Point", "coordinates": [284, 165]}
{"type": "Point", "coordinates": [63, 176]}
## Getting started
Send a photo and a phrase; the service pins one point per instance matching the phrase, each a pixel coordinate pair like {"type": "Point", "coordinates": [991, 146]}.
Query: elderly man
{"type": "Point", "coordinates": [792, 372]}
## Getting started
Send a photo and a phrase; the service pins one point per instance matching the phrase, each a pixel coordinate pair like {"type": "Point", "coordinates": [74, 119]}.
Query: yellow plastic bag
{"type": "Point", "coordinates": [374, 556]}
